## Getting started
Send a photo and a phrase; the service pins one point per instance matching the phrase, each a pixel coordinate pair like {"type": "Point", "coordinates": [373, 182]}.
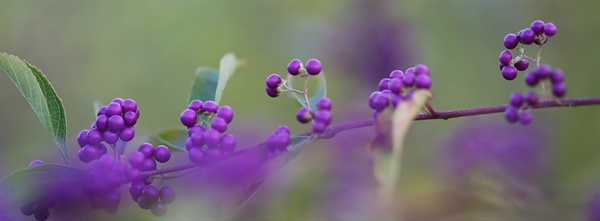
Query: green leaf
{"type": "Point", "coordinates": [174, 139]}
{"type": "Point", "coordinates": [40, 95]}
{"type": "Point", "coordinates": [320, 92]}
{"type": "Point", "coordinates": [22, 183]}
{"type": "Point", "coordinates": [209, 83]}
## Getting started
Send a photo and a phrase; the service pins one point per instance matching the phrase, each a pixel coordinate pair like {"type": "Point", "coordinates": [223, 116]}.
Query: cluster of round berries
{"type": "Point", "coordinates": [201, 135]}
{"type": "Point", "coordinates": [115, 121]}
{"type": "Point", "coordinates": [538, 33]}
{"type": "Point", "coordinates": [322, 116]}
{"type": "Point", "coordinates": [106, 175]}
{"type": "Point", "coordinates": [40, 207]}
{"type": "Point", "coordinates": [295, 67]}
{"type": "Point", "coordinates": [142, 192]}
{"type": "Point", "coordinates": [278, 141]}
{"type": "Point", "coordinates": [521, 103]}
{"type": "Point", "coordinates": [545, 72]}
{"type": "Point", "coordinates": [399, 86]}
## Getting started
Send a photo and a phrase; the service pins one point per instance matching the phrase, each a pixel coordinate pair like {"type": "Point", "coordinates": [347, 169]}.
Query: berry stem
{"type": "Point", "coordinates": [430, 109]}
{"type": "Point", "coordinates": [305, 93]}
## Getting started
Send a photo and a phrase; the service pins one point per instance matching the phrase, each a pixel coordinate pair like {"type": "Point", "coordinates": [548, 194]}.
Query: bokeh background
{"type": "Point", "coordinates": [148, 51]}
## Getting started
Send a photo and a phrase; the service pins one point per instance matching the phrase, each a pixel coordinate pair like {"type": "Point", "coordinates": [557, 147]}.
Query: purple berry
{"type": "Point", "coordinates": [135, 189]}
{"type": "Point", "coordinates": [531, 98]}
{"type": "Point", "coordinates": [196, 156]}
{"type": "Point", "coordinates": [525, 118]}
{"type": "Point", "coordinates": [278, 141]}
{"type": "Point", "coordinates": [423, 81]}
{"type": "Point", "coordinates": [537, 26]}
{"type": "Point", "coordinates": [323, 116]}
{"type": "Point", "coordinates": [516, 100]}
{"type": "Point", "coordinates": [283, 129]}
{"type": "Point", "coordinates": [409, 78]}
{"type": "Point", "coordinates": [324, 104]}
{"type": "Point", "coordinates": [511, 41]}
{"type": "Point", "coordinates": [527, 36]}
{"type": "Point", "coordinates": [82, 138]}
{"type": "Point", "coordinates": [150, 194]}
{"type": "Point", "coordinates": [194, 129]}
{"type": "Point", "coordinates": [421, 69]}
{"type": "Point", "coordinates": [272, 93]}
{"type": "Point", "coordinates": [162, 154]}
{"type": "Point", "coordinates": [137, 112]}
{"type": "Point", "coordinates": [210, 107]}
{"type": "Point", "coordinates": [35, 163]}
{"type": "Point", "coordinates": [519, 35]}
{"type": "Point", "coordinates": [509, 73]}
{"type": "Point", "coordinates": [557, 76]}
{"type": "Point", "coordinates": [531, 79]}
{"type": "Point", "coordinates": [148, 165]}
{"type": "Point", "coordinates": [112, 198]}
{"type": "Point", "coordinates": [136, 159]}
{"type": "Point", "coordinates": [501, 65]}
{"type": "Point", "coordinates": [102, 122]}
{"type": "Point", "coordinates": [188, 117]}
{"type": "Point", "coordinates": [189, 144]}
{"type": "Point", "coordinates": [101, 111]}
{"type": "Point", "coordinates": [42, 215]}
{"type": "Point", "coordinates": [511, 114]}
{"type": "Point", "coordinates": [110, 137]}
{"type": "Point", "coordinates": [143, 203]}
{"type": "Point", "coordinates": [319, 127]}
{"type": "Point", "coordinates": [228, 143]}
{"type": "Point", "coordinates": [313, 67]}
{"type": "Point", "coordinates": [94, 136]}
{"type": "Point", "coordinates": [273, 81]}
{"type": "Point", "coordinates": [294, 67]}
{"type": "Point", "coordinates": [197, 138]}
{"type": "Point", "coordinates": [219, 124]}
{"type": "Point", "coordinates": [549, 29]}
{"type": "Point", "coordinates": [113, 109]}
{"type": "Point", "coordinates": [167, 194]}
{"type": "Point", "coordinates": [159, 209]}
{"type": "Point", "coordinates": [384, 84]}
{"type": "Point", "coordinates": [212, 138]}
{"type": "Point", "coordinates": [134, 174]}
{"type": "Point", "coordinates": [377, 101]}
{"type": "Point", "coordinates": [559, 89]}
{"type": "Point", "coordinates": [213, 154]}
{"type": "Point", "coordinates": [116, 123]}
{"type": "Point", "coordinates": [88, 153]}
{"type": "Point", "coordinates": [226, 113]}
{"type": "Point", "coordinates": [396, 86]}
{"type": "Point", "coordinates": [396, 100]}
{"type": "Point", "coordinates": [130, 118]}
{"type": "Point", "coordinates": [397, 74]}
{"type": "Point", "coordinates": [118, 100]}
{"type": "Point", "coordinates": [129, 105]}
{"type": "Point", "coordinates": [505, 57]}
{"type": "Point", "coordinates": [544, 71]}
{"type": "Point", "coordinates": [127, 134]}
{"type": "Point", "coordinates": [27, 209]}
{"type": "Point", "coordinates": [147, 149]}
{"type": "Point", "coordinates": [522, 65]}
{"type": "Point", "coordinates": [195, 105]}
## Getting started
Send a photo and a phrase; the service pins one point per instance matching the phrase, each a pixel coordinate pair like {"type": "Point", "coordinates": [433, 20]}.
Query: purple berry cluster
{"type": "Point", "coordinates": [294, 68]}
{"type": "Point", "coordinates": [537, 33]}
{"type": "Point", "coordinates": [519, 106]}
{"type": "Point", "coordinates": [321, 116]}
{"type": "Point", "coordinates": [279, 141]}
{"type": "Point", "coordinates": [207, 140]}
{"type": "Point", "coordinates": [115, 122]}
{"type": "Point", "coordinates": [399, 86]}
{"type": "Point", "coordinates": [106, 175]}
{"type": "Point", "coordinates": [545, 72]}
{"type": "Point", "coordinates": [146, 195]}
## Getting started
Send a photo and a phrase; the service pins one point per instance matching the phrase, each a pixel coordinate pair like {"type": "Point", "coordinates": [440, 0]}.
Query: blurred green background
{"type": "Point", "coordinates": [148, 51]}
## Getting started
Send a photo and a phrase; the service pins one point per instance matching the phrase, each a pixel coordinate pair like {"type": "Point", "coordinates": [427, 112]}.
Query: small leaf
{"type": "Point", "coordinates": [319, 92]}
{"type": "Point", "coordinates": [22, 183]}
{"type": "Point", "coordinates": [174, 139]}
{"type": "Point", "coordinates": [226, 70]}
{"type": "Point", "coordinates": [40, 95]}
{"type": "Point", "coordinates": [204, 85]}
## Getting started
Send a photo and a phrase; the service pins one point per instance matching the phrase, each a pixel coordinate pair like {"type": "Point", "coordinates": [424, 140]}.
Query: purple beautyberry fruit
{"type": "Point", "coordinates": [537, 26]}
{"type": "Point", "coordinates": [147, 149]}
{"type": "Point", "coordinates": [530, 78]}
{"type": "Point", "coordinates": [511, 114]}
{"type": "Point", "coordinates": [213, 154]}
{"type": "Point", "coordinates": [188, 117]}
{"type": "Point", "coordinates": [384, 84]}
{"type": "Point", "coordinates": [549, 29]}
{"type": "Point", "coordinates": [159, 209]}
{"type": "Point", "coordinates": [516, 100]}
{"type": "Point", "coordinates": [195, 105]}
{"type": "Point", "coordinates": [273, 81]}
{"type": "Point", "coordinates": [82, 138]}
{"type": "Point", "coordinates": [210, 107]}
{"type": "Point", "coordinates": [501, 66]}
{"type": "Point", "coordinates": [319, 127]}
{"type": "Point", "coordinates": [559, 89]}
{"type": "Point", "coordinates": [134, 174]}
{"type": "Point", "coordinates": [509, 73]}
{"type": "Point", "coordinates": [102, 122]}
{"type": "Point", "coordinates": [228, 143]}
{"type": "Point", "coordinates": [522, 65]}
{"type": "Point", "coordinates": [135, 189]}
{"type": "Point", "coordinates": [557, 76]}
{"type": "Point", "coordinates": [196, 155]}
{"type": "Point", "coordinates": [212, 137]}
{"type": "Point", "coordinates": [421, 69]}
{"type": "Point", "coordinates": [167, 194]}
{"type": "Point", "coordinates": [195, 129]}
{"type": "Point", "coordinates": [324, 104]}
{"type": "Point", "coordinates": [162, 154]}
{"type": "Point", "coordinates": [423, 81]}
{"type": "Point", "coordinates": [396, 86]}
{"type": "Point", "coordinates": [323, 116]}
{"type": "Point", "coordinates": [118, 100]}
{"type": "Point", "coordinates": [527, 36]}
{"type": "Point", "coordinates": [35, 163]}
{"type": "Point", "coordinates": [27, 209]}
{"type": "Point", "coordinates": [278, 141]}
{"type": "Point", "coordinates": [378, 101]}
{"type": "Point", "coordinates": [116, 123]}
{"type": "Point", "coordinates": [129, 105]}
{"type": "Point", "coordinates": [283, 129]}
{"type": "Point", "coordinates": [313, 67]}
{"type": "Point", "coordinates": [94, 136]}
{"type": "Point", "coordinates": [397, 74]}
{"type": "Point", "coordinates": [531, 98]}
{"type": "Point", "coordinates": [525, 118]}
{"type": "Point", "coordinates": [226, 113]}
{"type": "Point", "coordinates": [409, 78]}
{"type": "Point", "coordinates": [272, 92]}
{"type": "Point", "coordinates": [101, 111]}
{"type": "Point", "coordinates": [130, 119]}
{"type": "Point", "coordinates": [544, 71]}
{"type": "Point", "coordinates": [88, 153]}
{"type": "Point", "coordinates": [197, 138]}
{"type": "Point", "coordinates": [151, 194]}
{"type": "Point", "coordinates": [127, 134]}
{"type": "Point", "coordinates": [304, 115]}
{"type": "Point", "coordinates": [42, 215]}
{"type": "Point", "coordinates": [189, 144]}
{"type": "Point", "coordinates": [294, 67]}
{"type": "Point", "coordinates": [511, 41]}
{"type": "Point", "coordinates": [219, 124]}
{"type": "Point", "coordinates": [113, 109]}
{"type": "Point", "coordinates": [505, 57]}
{"type": "Point", "coordinates": [148, 165]}
{"type": "Point", "coordinates": [110, 137]}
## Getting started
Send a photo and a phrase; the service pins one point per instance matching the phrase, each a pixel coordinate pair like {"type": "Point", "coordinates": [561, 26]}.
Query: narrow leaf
{"type": "Point", "coordinates": [174, 139]}
{"type": "Point", "coordinates": [40, 95]}
{"type": "Point", "coordinates": [317, 93]}
{"type": "Point", "coordinates": [226, 70]}
{"type": "Point", "coordinates": [204, 85]}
